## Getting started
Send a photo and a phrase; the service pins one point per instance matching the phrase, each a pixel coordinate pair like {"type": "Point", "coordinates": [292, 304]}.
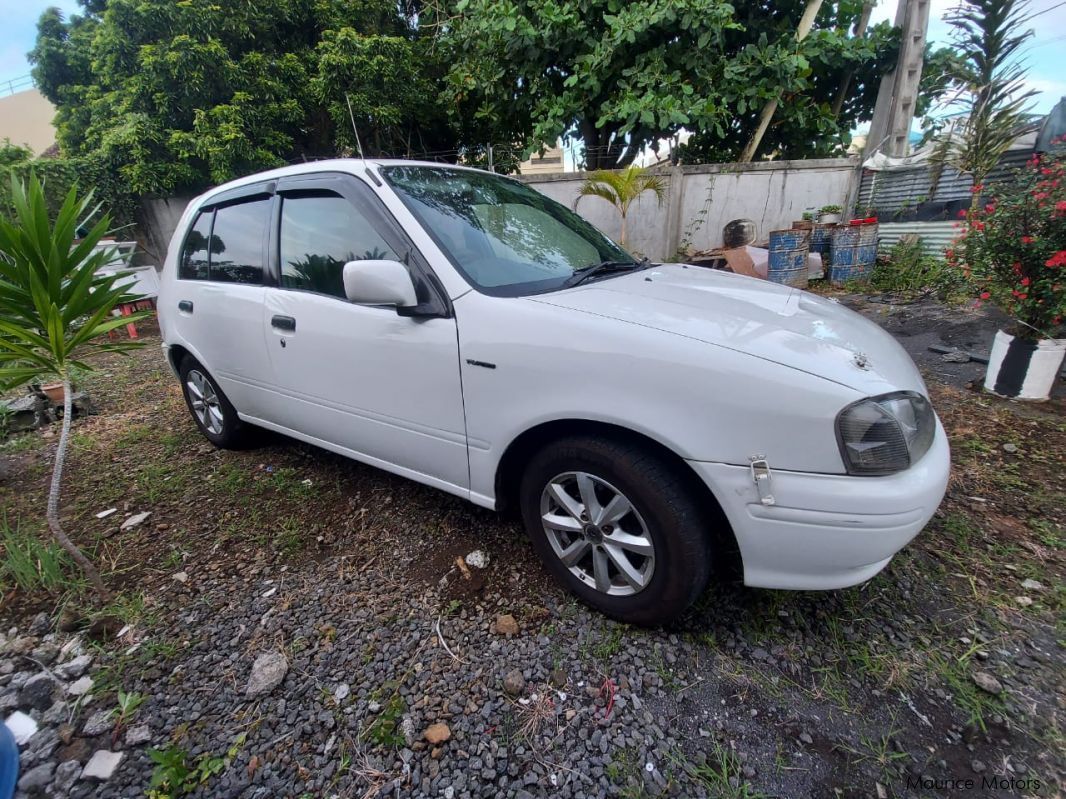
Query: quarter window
{"type": "Point", "coordinates": [237, 242]}
{"type": "Point", "coordinates": [194, 257]}
{"type": "Point", "coordinates": [320, 233]}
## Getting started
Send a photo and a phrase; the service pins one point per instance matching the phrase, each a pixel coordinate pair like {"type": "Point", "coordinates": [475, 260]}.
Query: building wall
{"type": "Point", "coordinates": [26, 119]}
{"type": "Point", "coordinates": [702, 199]}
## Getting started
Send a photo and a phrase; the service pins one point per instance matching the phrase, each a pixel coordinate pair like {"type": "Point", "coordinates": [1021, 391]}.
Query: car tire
{"type": "Point", "coordinates": [663, 536]}
{"type": "Point", "coordinates": [212, 411]}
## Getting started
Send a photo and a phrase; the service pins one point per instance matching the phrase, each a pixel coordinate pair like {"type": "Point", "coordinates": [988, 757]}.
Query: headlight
{"type": "Point", "coordinates": [885, 434]}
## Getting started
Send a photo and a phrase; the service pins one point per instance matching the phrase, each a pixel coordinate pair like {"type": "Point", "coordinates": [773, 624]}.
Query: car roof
{"type": "Point", "coordinates": [354, 166]}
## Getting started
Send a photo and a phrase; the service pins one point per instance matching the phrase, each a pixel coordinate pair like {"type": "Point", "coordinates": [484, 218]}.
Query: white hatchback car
{"type": "Point", "coordinates": [461, 329]}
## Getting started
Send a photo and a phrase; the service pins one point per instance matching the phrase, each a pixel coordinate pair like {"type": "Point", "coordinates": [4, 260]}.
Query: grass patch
{"type": "Point", "coordinates": [33, 564]}
{"type": "Point", "coordinates": [721, 774]}
{"type": "Point", "coordinates": [908, 269]}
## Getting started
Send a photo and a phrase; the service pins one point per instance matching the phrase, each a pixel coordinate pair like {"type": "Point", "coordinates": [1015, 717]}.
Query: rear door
{"type": "Point", "coordinates": [382, 386]}
{"type": "Point", "coordinates": [219, 293]}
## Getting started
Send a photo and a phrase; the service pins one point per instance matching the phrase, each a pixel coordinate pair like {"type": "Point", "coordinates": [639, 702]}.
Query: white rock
{"type": "Point", "coordinates": [479, 559]}
{"type": "Point", "coordinates": [141, 734]}
{"type": "Point", "coordinates": [101, 765]}
{"type": "Point", "coordinates": [268, 670]}
{"type": "Point", "coordinates": [181, 577]}
{"type": "Point", "coordinates": [341, 692]}
{"type": "Point", "coordinates": [98, 723]}
{"type": "Point", "coordinates": [1024, 601]}
{"type": "Point", "coordinates": [80, 687]}
{"type": "Point", "coordinates": [22, 726]}
{"type": "Point", "coordinates": [105, 513]}
{"type": "Point", "coordinates": [1030, 584]}
{"type": "Point", "coordinates": [75, 668]}
{"type": "Point", "coordinates": [133, 521]}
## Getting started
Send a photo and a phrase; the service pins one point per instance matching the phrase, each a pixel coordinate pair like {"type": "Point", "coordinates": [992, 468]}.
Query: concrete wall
{"type": "Point", "coordinates": [702, 199]}
{"type": "Point", "coordinates": [26, 119]}
{"type": "Point", "coordinates": [159, 218]}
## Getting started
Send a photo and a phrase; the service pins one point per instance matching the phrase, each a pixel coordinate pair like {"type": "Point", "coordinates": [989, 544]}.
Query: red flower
{"type": "Point", "coordinates": [985, 295]}
{"type": "Point", "coordinates": [978, 225]}
{"type": "Point", "coordinates": [1058, 259]}
{"type": "Point", "coordinates": [962, 213]}
{"type": "Point", "coordinates": [1025, 281]}
{"type": "Point", "coordinates": [977, 188]}
{"type": "Point", "coordinates": [1061, 206]}
{"type": "Point", "coordinates": [990, 208]}
{"type": "Point", "coordinates": [1027, 239]}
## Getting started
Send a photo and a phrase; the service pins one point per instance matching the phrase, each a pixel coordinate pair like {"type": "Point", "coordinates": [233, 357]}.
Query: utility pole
{"type": "Point", "coordinates": [898, 94]}
{"type": "Point", "coordinates": [768, 111]}
{"type": "Point", "coordinates": [488, 148]}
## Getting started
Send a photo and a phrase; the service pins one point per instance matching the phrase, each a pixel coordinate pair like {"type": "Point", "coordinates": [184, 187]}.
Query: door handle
{"type": "Point", "coordinates": [283, 323]}
{"type": "Point", "coordinates": [185, 305]}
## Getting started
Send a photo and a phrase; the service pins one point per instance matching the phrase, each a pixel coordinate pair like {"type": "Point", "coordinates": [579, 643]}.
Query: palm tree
{"type": "Point", "coordinates": [991, 80]}
{"type": "Point", "coordinates": [53, 306]}
{"type": "Point", "coordinates": [621, 187]}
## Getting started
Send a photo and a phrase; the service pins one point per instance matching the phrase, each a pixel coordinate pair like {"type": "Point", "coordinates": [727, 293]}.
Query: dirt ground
{"type": "Point", "coordinates": [850, 693]}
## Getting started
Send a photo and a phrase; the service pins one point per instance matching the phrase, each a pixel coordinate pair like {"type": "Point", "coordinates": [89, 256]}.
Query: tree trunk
{"type": "Point", "coordinates": [845, 81]}
{"type": "Point", "coordinates": [768, 111]}
{"type": "Point", "coordinates": [622, 237]}
{"type": "Point", "coordinates": [53, 500]}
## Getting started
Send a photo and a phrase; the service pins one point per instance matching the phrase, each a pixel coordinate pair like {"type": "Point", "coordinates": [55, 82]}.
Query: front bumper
{"type": "Point", "coordinates": [827, 531]}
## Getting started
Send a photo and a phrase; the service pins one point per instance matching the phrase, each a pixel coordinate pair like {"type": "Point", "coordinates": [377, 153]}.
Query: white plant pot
{"type": "Point", "coordinates": [828, 219]}
{"type": "Point", "coordinates": [1022, 369]}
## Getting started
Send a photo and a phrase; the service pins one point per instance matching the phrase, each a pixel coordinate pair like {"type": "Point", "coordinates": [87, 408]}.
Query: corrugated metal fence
{"type": "Point", "coordinates": [900, 193]}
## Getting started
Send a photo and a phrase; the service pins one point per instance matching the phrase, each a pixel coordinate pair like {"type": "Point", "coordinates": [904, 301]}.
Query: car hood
{"type": "Point", "coordinates": [766, 320]}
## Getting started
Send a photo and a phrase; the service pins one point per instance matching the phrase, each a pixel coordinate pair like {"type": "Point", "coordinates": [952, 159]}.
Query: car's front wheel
{"type": "Point", "coordinates": [619, 525]}
{"type": "Point", "coordinates": [210, 408]}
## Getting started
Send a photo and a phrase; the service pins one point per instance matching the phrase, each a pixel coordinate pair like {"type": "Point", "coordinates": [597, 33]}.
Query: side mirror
{"type": "Point", "coordinates": [379, 283]}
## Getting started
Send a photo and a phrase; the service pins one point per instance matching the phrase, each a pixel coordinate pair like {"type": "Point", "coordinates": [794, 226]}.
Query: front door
{"type": "Point", "coordinates": [382, 386]}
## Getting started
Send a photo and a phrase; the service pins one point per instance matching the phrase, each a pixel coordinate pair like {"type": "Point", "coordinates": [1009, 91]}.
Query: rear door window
{"type": "Point", "coordinates": [194, 254]}
{"type": "Point", "coordinates": [237, 242]}
{"type": "Point", "coordinates": [320, 233]}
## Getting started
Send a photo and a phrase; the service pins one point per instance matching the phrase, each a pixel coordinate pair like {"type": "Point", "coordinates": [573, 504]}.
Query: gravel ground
{"type": "Point", "coordinates": [378, 666]}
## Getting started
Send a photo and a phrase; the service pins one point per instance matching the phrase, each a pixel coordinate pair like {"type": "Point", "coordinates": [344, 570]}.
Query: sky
{"type": "Point", "coordinates": [1045, 58]}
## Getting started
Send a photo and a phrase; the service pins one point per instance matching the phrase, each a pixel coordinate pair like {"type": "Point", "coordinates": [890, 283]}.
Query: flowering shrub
{"type": "Point", "coordinates": [1012, 249]}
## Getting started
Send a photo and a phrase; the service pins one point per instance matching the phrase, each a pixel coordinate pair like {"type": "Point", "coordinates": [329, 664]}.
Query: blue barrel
{"type": "Point", "coordinates": [822, 240]}
{"type": "Point", "coordinates": [853, 254]}
{"type": "Point", "coordinates": [788, 257]}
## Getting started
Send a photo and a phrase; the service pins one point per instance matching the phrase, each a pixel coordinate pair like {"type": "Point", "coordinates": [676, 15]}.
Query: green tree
{"type": "Point", "coordinates": [621, 187]}
{"type": "Point", "coordinates": [53, 307]}
{"type": "Point", "coordinates": [990, 77]}
{"type": "Point", "coordinates": [620, 76]}
{"type": "Point", "coordinates": [177, 95]}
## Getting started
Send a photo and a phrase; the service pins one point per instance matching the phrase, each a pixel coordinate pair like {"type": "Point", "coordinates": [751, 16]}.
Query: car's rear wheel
{"type": "Point", "coordinates": [210, 408]}
{"type": "Point", "coordinates": [619, 525]}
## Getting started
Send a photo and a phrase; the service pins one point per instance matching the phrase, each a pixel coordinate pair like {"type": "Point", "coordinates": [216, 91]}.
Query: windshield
{"type": "Point", "coordinates": [506, 238]}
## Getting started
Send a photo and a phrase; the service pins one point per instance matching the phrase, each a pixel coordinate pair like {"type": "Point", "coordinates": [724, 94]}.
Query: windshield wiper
{"type": "Point", "coordinates": [602, 268]}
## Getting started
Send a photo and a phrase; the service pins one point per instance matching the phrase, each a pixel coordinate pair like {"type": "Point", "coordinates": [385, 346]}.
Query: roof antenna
{"type": "Point", "coordinates": [351, 116]}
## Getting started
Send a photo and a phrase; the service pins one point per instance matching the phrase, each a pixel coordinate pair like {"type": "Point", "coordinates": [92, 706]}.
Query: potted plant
{"type": "Point", "coordinates": [829, 214]}
{"type": "Point", "coordinates": [1013, 252]}
{"type": "Point", "coordinates": [54, 391]}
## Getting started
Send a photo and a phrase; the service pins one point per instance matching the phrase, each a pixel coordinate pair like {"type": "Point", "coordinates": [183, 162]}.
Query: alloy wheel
{"type": "Point", "coordinates": [597, 533]}
{"type": "Point", "coordinates": [203, 399]}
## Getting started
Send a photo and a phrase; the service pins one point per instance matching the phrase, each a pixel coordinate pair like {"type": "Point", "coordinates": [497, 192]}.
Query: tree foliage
{"type": "Point", "coordinates": [990, 78]}
{"type": "Point", "coordinates": [177, 95]}
{"type": "Point", "coordinates": [622, 75]}
{"type": "Point", "coordinates": [622, 187]}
